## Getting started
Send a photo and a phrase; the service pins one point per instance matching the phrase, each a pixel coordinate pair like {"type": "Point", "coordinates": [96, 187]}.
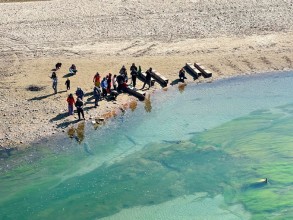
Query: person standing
{"type": "Point", "coordinates": [97, 95]}
{"type": "Point", "coordinates": [114, 82]}
{"type": "Point", "coordinates": [79, 93]}
{"type": "Point", "coordinates": [148, 78]}
{"type": "Point", "coordinates": [133, 76]}
{"type": "Point", "coordinates": [104, 86]}
{"type": "Point", "coordinates": [71, 102]}
{"type": "Point", "coordinates": [109, 79]}
{"type": "Point", "coordinates": [67, 83]}
{"type": "Point", "coordinates": [139, 71]}
{"type": "Point", "coordinates": [97, 79]}
{"type": "Point", "coordinates": [123, 73]}
{"type": "Point", "coordinates": [133, 68]}
{"type": "Point", "coordinates": [79, 108]}
{"type": "Point", "coordinates": [54, 82]}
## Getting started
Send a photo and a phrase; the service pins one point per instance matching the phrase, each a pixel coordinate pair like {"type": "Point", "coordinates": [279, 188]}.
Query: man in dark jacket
{"type": "Point", "coordinates": [79, 108]}
{"type": "Point", "coordinates": [54, 82]}
{"type": "Point", "coordinates": [182, 75]}
{"type": "Point", "coordinates": [133, 76]}
{"type": "Point", "coordinates": [97, 95]}
{"type": "Point", "coordinates": [148, 78]}
{"type": "Point", "coordinates": [79, 93]}
{"type": "Point", "coordinates": [133, 68]}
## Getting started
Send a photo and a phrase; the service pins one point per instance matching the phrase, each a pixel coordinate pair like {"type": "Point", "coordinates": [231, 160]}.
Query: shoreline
{"type": "Point", "coordinates": [63, 132]}
{"type": "Point", "coordinates": [228, 38]}
{"type": "Point", "coordinates": [78, 135]}
{"type": "Point", "coordinates": [52, 124]}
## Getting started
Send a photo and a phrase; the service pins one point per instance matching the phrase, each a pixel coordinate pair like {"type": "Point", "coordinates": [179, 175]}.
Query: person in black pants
{"type": "Point", "coordinates": [58, 66]}
{"type": "Point", "coordinates": [55, 82]}
{"type": "Point", "coordinates": [133, 67]}
{"type": "Point", "coordinates": [182, 75]}
{"type": "Point", "coordinates": [133, 77]}
{"type": "Point", "coordinates": [148, 78]}
{"type": "Point", "coordinates": [79, 108]}
{"type": "Point", "coordinates": [67, 83]}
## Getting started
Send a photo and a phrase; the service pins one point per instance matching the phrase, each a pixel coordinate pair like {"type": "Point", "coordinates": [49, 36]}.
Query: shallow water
{"type": "Point", "coordinates": [193, 153]}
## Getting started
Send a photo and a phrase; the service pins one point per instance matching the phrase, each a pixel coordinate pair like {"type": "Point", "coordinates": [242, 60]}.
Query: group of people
{"type": "Point", "coordinates": [120, 82]}
{"type": "Point", "coordinates": [54, 77]}
{"type": "Point", "coordinates": [107, 87]}
{"type": "Point", "coordinates": [70, 99]}
{"type": "Point", "coordinates": [78, 104]}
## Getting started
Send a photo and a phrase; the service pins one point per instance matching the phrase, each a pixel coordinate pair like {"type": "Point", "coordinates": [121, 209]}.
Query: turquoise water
{"type": "Point", "coordinates": [193, 153]}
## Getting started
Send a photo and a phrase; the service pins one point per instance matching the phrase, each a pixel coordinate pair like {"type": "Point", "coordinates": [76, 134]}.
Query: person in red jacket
{"type": "Point", "coordinates": [71, 102]}
{"type": "Point", "coordinates": [109, 81]}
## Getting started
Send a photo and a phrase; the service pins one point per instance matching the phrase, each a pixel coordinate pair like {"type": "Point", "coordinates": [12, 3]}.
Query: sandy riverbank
{"type": "Point", "coordinates": [228, 37]}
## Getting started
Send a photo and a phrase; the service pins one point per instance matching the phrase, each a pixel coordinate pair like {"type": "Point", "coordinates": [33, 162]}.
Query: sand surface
{"type": "Point", "coordinates": [229, 37]}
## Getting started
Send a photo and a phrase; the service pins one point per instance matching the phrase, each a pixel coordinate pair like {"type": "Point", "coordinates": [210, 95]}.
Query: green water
{"type": "Point", "coordinates": [191, 165]}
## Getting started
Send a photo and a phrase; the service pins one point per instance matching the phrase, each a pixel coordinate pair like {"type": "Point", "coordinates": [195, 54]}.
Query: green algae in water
{"type": "Point", "coordinates": [162, 172]}
{"type": "Point", "coordinates": [155, 175]}
{"type": "Point", "coordinates": [217, 167]}
{"type": "Point", "coordinates": [265, 138]}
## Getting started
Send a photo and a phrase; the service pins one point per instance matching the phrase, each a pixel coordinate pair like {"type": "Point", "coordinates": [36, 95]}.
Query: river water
{"type": "Point", "coordinates": [193, 152]}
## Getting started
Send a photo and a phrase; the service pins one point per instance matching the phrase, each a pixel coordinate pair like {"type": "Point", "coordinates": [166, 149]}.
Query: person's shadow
{"type": "Point", "coordinates": [45, 96]}
{"type": "Point", "coordinates": [65, 124]}
{"type": "Point", "coordinates": [41, 97]}
{"type": "Point", "coordinates": [59, 116]}
{"type": "Point", "coordinates": [174, 82]}
{"type": "Point", "coordinates": [67, 75]}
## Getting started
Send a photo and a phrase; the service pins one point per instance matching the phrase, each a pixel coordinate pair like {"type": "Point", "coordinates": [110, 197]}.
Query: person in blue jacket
{"type": "Point", "coordinates": [79, 93]}
{"type": "Point", "coordinates": [104, 85]}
